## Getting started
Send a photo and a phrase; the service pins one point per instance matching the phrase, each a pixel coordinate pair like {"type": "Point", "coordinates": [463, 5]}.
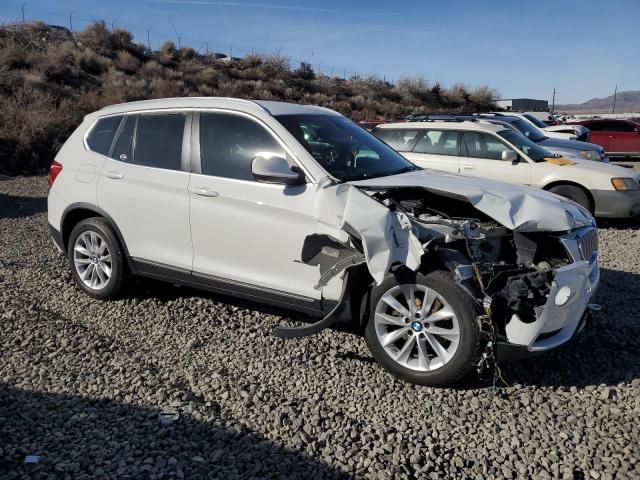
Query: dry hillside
{"type": "Point", "coordinates": [50, 78]}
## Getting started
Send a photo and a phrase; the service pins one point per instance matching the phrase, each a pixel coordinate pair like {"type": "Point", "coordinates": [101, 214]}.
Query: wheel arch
{"type": "Point", "coordinates": [76, 212]}
{"type": "Point", "coordinates": [587, 192]}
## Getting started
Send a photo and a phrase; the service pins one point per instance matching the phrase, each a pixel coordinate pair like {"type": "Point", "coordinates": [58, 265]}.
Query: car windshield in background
{"type": "Point", "coordinates": [532, 133]}
{"type": "Point", "coordinates": [536, 121]}
{"type": "Point", "coordinates": [531, 150]}
{"type": "Point", "coordinates": [345, 150]}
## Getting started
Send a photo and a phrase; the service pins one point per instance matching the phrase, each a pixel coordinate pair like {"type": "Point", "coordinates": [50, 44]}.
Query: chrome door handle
{"type": "Point", "coordinates": [203, 191]}
{"type": "Point", "coordinates": [469, 167]}
{"type": "Point", "coordinates": [112, 174]}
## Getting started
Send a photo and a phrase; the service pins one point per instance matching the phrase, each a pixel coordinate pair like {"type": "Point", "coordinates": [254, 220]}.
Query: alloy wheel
{"type": "Point", "coordinates": [92, 260]}
{"type": "Point", "coordinates": [416, 327]}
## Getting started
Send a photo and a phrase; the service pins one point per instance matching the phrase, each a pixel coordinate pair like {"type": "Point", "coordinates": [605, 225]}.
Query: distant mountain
{"type": "Point", "coordinates": [628, 101]}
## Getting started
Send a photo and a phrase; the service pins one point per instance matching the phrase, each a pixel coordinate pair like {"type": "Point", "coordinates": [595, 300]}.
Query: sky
{"type": "Point", "coordinates": [522, 48]}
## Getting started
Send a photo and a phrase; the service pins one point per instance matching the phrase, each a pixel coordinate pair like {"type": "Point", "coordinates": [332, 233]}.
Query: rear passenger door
{"type": "Point", "coordinates": [143, 187]}
{"type": "Point", "coordinates": [437, 149]}
{"type": "Point", "coordinates": [482, 157]}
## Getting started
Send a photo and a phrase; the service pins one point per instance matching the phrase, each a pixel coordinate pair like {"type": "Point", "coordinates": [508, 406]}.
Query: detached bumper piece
{"type": "Point", "coordinates": [562, 315]}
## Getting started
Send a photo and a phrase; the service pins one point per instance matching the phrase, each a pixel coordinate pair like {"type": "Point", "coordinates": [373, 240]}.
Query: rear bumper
{"type": "Point", "coordinates": [616, 204]}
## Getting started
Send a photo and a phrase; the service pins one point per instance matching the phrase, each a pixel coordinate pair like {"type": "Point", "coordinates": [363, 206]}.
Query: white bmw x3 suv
{"type": "Point", "coordinates": [296, 206]}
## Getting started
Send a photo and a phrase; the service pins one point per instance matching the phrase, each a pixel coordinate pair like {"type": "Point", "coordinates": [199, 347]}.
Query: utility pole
{"type": "Point", "coordinates": [615, 94]}
{"type": "Point", "coordinates": [148, 39]}
{"type": "Point", "coordinates": [71, 21]}
{"type": "Point", "coordinates": [230, 51]}
{"type": "Point", "coordinates": [176, 32]}
{"type": "Point", "coordinates": [553, 101]}
{"type": "Point", "coordinates": [22, 8]}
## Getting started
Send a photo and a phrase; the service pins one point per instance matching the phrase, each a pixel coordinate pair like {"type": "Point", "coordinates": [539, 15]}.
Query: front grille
{"type": "Point", "coordinates": [588, 244]}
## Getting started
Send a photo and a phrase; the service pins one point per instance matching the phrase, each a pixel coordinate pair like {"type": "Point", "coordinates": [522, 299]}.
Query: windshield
{"type": "Point", "coordinates": [536, 121]}
{"type": "Point", "coordinates": [530, 149]}
{"type": "Point", "coordinates": [345, 150]}
{"type": "Point", "coordinates": [531, 132]}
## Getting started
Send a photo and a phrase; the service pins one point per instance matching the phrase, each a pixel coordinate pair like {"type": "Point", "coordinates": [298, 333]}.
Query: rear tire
{"type": "Point", "coordinates": [437, 342]}
{"type": "Point", "coordinates": [96, 258]}
{"type": "Point", "coordinates": [575, 194]}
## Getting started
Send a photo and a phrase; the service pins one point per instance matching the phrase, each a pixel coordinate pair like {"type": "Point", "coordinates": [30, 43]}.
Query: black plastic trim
{"type": "Point", "coordinates": [214, 284]}
{"type": "Point", "coordinates": [57, 237]}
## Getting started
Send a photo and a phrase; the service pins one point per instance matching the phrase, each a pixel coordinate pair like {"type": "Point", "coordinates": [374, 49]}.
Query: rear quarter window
{"type": "Point", "coordinates": [102, 134]}
{"type": "Point", "coordinates": [399, 140]}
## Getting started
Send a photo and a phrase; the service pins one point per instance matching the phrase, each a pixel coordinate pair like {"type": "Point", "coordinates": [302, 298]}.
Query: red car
{"type": "Point", "coordinates": [620, 138]}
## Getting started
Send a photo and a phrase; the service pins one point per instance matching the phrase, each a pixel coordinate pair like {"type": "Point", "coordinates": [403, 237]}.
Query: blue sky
{"type": "Point", "coordinates": [523, 48]}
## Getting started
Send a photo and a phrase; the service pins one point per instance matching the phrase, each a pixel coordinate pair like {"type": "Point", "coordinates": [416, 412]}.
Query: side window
{"type": "Point", "coordinates": [439, 142]}
{"type": "Point", "coordinates": [158, 140]}
{"type": "Point", "coordinates": [622, 127]}
{"type": "Point", "coordinates": [400, 140]}
{"type": "Point", "coordinates": [102, 134]}
{"type": "Point", "coordinates": [228, 144]}
{"type": "Point", "coordinates": [123, 149]}
{"type": "Point", "coordinates": [481, 145]}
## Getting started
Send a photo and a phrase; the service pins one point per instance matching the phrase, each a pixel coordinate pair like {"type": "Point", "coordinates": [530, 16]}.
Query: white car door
{"type": "Point", "coordinates": [436, 149]}
{"type": "Point", "coordinates": [143, 187]}
{"type": "Point", "coordinates": [481, 156]}
{"type": "Point", "coordinates": [246, 233]}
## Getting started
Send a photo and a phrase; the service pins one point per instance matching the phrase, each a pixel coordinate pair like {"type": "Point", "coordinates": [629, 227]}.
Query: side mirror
{"type": "Point", "coordinates": [274, 169]}
{"type": "Point", "coordinates": [637, 130]}
{"type": "Point", "coordinates": [509, 156]}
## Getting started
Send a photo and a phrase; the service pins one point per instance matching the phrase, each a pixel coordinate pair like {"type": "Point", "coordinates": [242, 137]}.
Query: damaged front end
{"type": "Point", "coordinates": [534, 286]}
{"type": "Point", "coordinates": [527, 259]}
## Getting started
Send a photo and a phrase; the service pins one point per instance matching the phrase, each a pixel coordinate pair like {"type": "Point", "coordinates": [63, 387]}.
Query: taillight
{"type": "Point", "coordinates": [54, 171]}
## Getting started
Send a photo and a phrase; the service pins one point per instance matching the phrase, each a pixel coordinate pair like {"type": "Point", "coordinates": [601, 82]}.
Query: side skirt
{"type": "Point", "coordinates": [181, 276]}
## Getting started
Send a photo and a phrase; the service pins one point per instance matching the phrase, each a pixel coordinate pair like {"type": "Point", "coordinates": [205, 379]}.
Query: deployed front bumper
{"type": "Point", "coordinates": [616, 204]}
{"type": "Point", "coordinates": [566, 308]}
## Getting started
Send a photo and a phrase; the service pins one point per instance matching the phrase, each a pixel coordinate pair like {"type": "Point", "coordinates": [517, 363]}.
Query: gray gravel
{"type": "Point", "coordinates": [82, 383]}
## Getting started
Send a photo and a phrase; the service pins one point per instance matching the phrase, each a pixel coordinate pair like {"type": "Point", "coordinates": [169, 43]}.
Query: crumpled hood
{"type": "Point", "coordinates": [517, 207]}
{"type": "Point", "coordinates": [569, 144]}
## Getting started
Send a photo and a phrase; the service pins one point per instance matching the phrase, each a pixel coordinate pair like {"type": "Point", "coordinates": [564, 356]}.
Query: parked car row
{"type": "Point", "coordinates": [493, 147]}
{"type": "Point", "coordinates": [299, 207]}
{"type": "Point", "coordinates": [616, 137]}
{"type": "Point", "coordinates": [621, 138]}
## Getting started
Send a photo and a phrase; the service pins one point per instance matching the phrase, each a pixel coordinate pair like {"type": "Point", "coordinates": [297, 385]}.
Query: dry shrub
{"type": "Point", "coordinates": [168, 54]}
{"type": "Point", "coordinates": [32, 130]}
{"type": "Point", "coordinates": [96, 37]}
{"type": "Point", "coordinates": [127, 62]}
{"type": "Point", "coordinates": [91, 62]}
{"type": "Point", "coordinates": [122, 40]}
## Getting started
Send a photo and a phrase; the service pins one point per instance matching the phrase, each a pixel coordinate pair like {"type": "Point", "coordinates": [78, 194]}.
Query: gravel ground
{"type": "Point", "coordinates": [82, 383]}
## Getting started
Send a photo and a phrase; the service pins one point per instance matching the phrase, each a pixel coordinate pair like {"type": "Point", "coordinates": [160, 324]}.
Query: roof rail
{"type": "Point", "coordinates": [439, 117]}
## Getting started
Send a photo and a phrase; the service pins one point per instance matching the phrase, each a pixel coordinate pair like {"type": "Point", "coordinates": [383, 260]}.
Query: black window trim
{"type": "Point", "coordinates": [195, 159]}
{"type": "Point", "coordinates": [185, 158]}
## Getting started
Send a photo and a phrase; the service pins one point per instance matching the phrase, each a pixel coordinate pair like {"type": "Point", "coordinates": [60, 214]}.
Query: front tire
{"type": "Point", "coordinates": [422, 328]}
{"type": "Point", "coordinates": [96, 258]}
